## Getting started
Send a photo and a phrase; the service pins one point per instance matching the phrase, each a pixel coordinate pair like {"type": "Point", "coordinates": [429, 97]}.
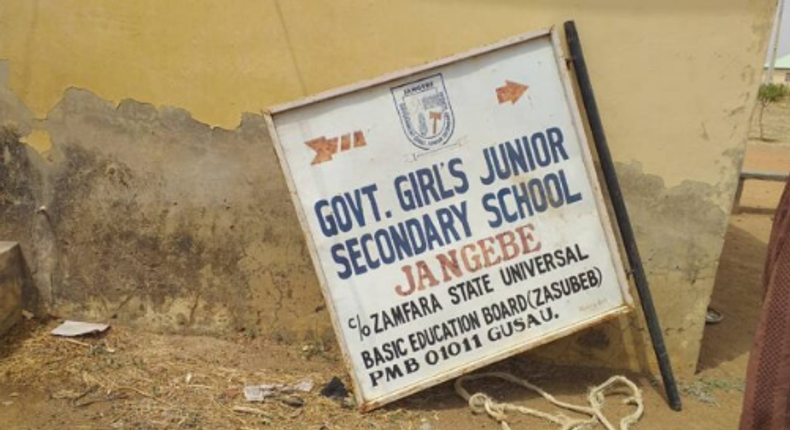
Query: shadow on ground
{"type": "Point", "coordinates": [738, 295]}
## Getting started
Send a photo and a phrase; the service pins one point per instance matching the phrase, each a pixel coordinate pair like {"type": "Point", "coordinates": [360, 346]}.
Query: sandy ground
{"type": "Point", "coordinates": [135, 380]}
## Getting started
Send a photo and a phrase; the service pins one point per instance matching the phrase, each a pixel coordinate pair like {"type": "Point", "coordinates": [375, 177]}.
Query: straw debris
{"type": "Point", "coordinates": [153, 381]}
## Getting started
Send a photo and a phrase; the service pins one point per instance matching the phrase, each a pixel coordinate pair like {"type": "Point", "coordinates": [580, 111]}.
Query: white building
{"type": "Point", "coordinates": [781, 70]}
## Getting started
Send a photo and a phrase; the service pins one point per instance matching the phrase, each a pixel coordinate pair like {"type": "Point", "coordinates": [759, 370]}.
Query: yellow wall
{"type": "Point", "coordinates": [219, 59]}
{"type": "Point", "coordinates": [675, 81]}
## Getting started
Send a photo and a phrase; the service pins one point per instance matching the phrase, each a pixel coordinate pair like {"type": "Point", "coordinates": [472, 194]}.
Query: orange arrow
{"type": "Point", "coordinates": [324, 149]}
{"type": "Point", "coordinates": [510, 92]}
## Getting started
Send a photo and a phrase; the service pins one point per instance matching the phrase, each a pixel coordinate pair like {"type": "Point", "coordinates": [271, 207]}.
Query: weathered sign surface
{"type": "Point", "coordinates": [453, 214]}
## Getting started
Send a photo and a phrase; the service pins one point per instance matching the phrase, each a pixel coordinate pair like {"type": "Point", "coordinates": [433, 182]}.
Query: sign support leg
{"type": "Point", "coordinates": [621, 213]}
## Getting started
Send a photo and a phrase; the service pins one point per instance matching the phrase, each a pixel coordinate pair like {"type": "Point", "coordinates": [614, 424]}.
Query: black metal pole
{"type": "Point", "coordinates": [621, 213]}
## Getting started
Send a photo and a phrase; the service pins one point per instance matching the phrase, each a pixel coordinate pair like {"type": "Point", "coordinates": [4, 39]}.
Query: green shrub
{"type": "Point", "coordinates": [769, 93]}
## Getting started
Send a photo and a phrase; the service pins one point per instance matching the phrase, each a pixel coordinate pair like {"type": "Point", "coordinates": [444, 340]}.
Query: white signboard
{"type": "Point", "coordinates": [453, 214]}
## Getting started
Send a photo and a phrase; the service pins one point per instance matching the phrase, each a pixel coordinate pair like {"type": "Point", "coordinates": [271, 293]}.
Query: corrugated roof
{"type": "Point", "coordinates": [781, 62]}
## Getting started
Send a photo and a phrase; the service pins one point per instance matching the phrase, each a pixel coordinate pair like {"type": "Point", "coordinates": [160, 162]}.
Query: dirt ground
{"type": "Point", "coordinates": [135, 380]}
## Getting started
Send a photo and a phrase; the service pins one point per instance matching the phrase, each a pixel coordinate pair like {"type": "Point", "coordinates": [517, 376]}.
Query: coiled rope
{"type": "Point", "coordinates": [481, 403]}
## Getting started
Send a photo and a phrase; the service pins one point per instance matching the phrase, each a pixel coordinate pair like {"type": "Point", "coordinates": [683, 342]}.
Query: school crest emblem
{"type": "Point", "coordinates": [425, 112]}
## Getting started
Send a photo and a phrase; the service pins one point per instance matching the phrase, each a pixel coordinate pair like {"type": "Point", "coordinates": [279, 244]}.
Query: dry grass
{"type": "Point", "coordinates": [147, 381]}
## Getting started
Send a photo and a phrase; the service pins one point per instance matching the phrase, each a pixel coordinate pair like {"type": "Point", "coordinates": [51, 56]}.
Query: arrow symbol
{"type": "Point", "coordinates": [324, 149]}
{"type": "Point", "coordinates": [510, 92]}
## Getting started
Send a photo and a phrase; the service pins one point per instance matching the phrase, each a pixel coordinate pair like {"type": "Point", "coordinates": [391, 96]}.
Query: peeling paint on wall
{"type": "Point", "coordinates": [149, 217]}
{"type": "Point", "coordinates": [146, 216]}
{"type": "Point", "coordinates": [39, 140]}
{"type": "Point", "coordinates": [165, 222]}
{"type": "Point", "coordinates": [680, 234]}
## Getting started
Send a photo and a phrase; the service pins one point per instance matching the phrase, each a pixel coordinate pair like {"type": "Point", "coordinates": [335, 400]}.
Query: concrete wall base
{"type": "Point", "coordinates": [11, 281]}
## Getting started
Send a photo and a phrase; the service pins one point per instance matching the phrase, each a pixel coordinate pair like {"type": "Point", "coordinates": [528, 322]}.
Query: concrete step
{"type": "Point", "coordinates": [11, 282]}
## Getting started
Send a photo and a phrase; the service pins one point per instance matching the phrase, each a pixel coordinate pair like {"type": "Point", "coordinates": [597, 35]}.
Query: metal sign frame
{"type": "Point", "coordinates": [578, 128]}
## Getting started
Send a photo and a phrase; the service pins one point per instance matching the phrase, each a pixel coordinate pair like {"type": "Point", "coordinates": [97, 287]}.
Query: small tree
{"type": "Point", "coordinates": [769, 93]}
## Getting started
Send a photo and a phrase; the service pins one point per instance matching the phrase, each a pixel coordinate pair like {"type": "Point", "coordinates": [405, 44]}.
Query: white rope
{"type": "Point", "coordinates": [481, 403]}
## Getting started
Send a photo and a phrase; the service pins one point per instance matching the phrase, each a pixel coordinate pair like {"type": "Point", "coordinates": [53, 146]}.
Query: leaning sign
{"type": "Point", "coordinates": [453, 214]}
